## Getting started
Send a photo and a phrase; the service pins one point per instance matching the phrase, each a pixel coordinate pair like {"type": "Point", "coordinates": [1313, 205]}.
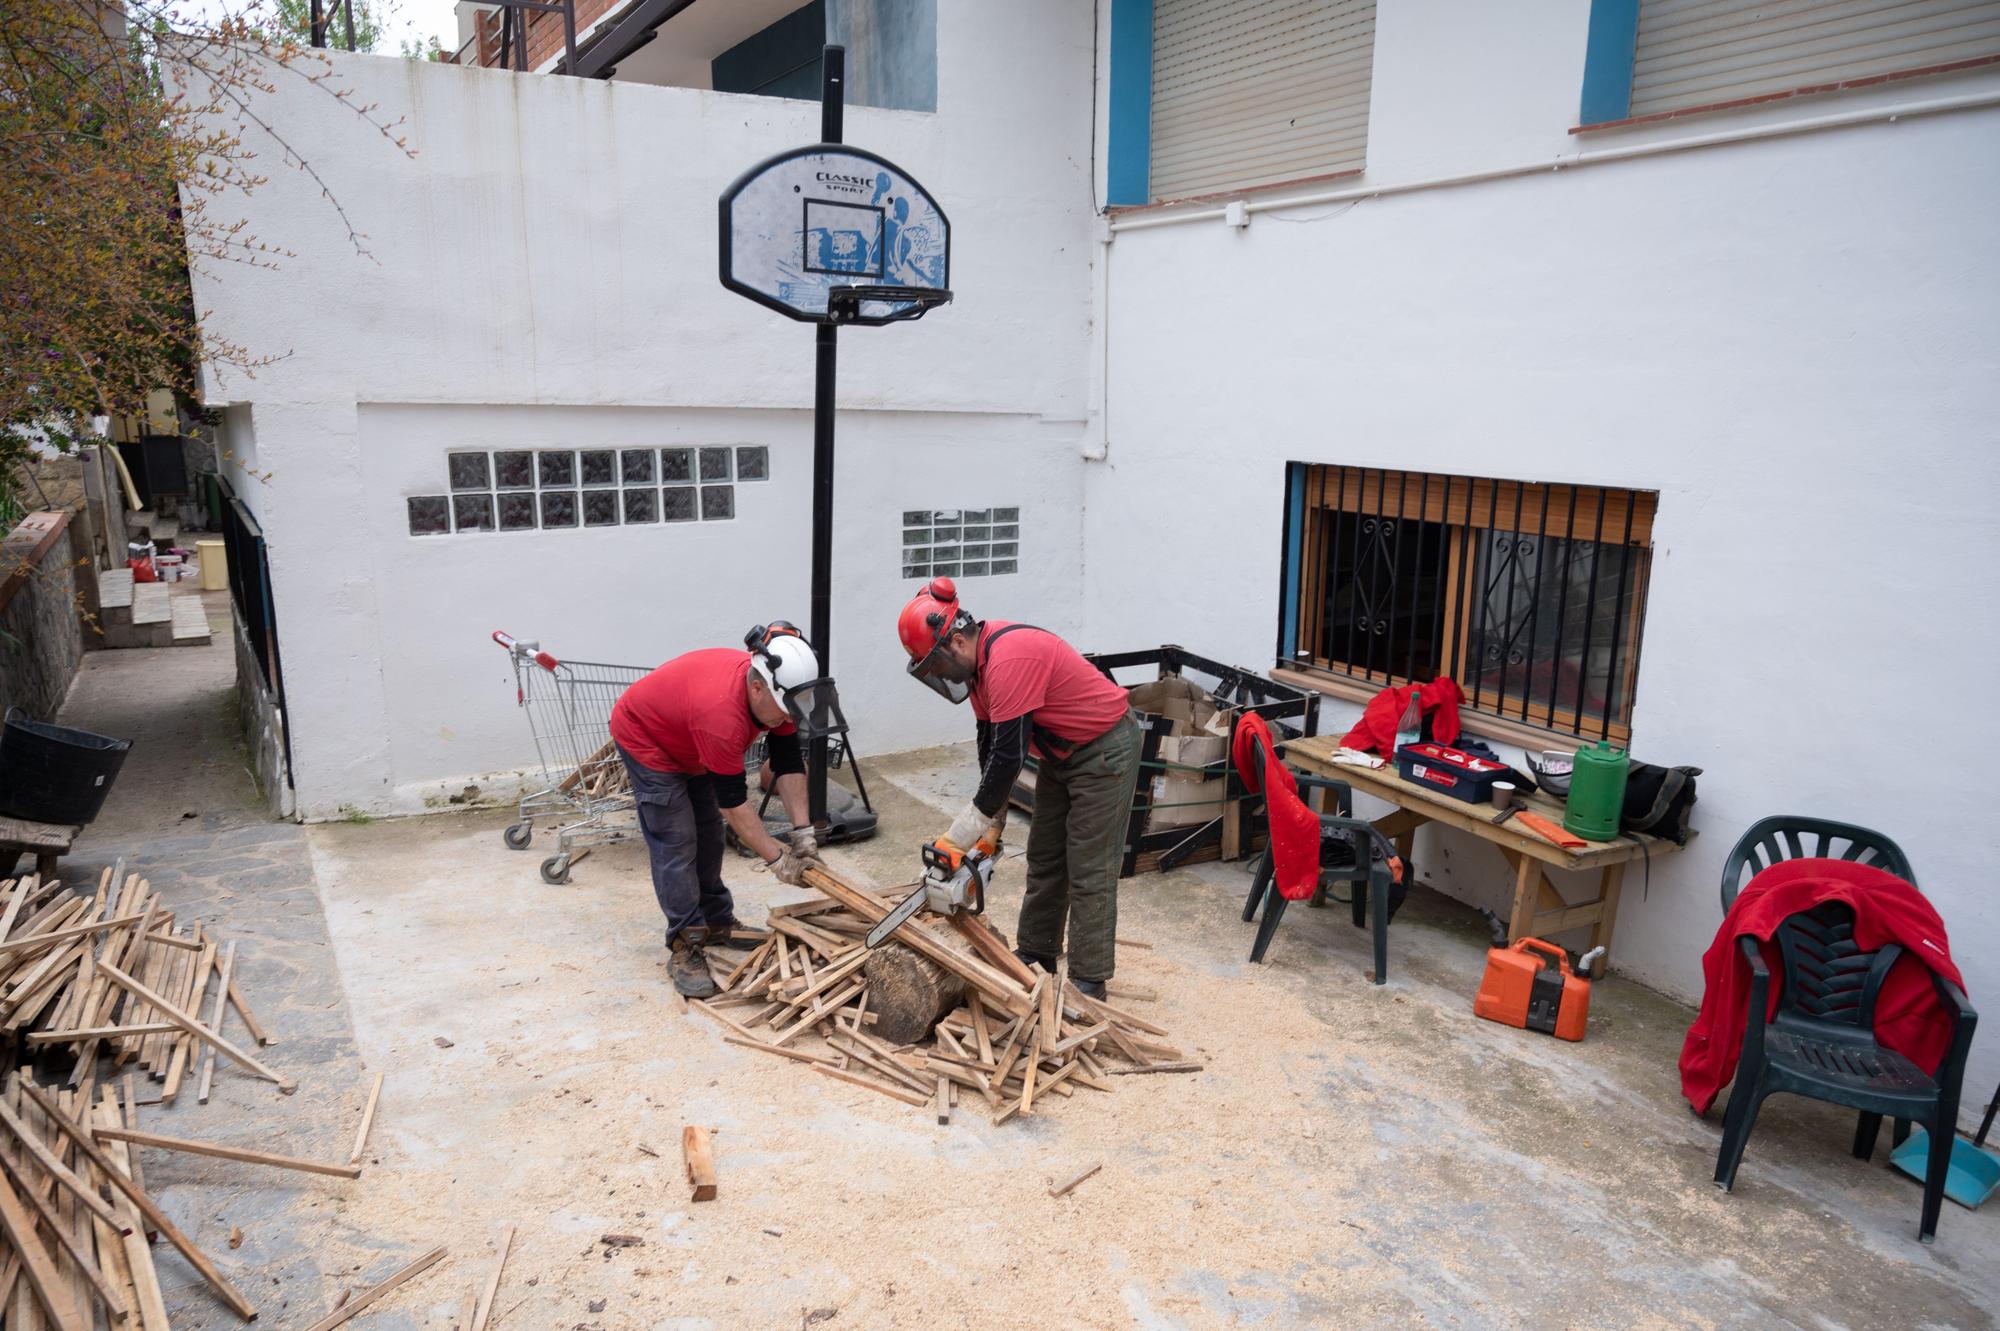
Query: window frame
{"type": "Point", "coordinates": [1612, 518]}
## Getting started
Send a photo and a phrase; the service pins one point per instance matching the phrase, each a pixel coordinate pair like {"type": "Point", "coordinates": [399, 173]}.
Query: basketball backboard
{"type": "Point", "coordinates": [796, 226]}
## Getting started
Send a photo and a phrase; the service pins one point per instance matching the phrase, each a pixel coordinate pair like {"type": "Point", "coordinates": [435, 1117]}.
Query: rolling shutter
{"type": "Point", "coordinates": [1698, 52]}
{"type": "Point", "coordinates": [1256, 92]}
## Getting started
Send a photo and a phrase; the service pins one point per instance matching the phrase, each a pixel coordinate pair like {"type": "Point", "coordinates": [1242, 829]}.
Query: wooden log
{"type": "Point", "coordinates": [910, 993]}
{"type": "Point", "coordinates": [374, 1292]}
{"type": "Point", "coordinates": [698, 1154]}
{"type": "Point", "coordinates": [1002, 990]}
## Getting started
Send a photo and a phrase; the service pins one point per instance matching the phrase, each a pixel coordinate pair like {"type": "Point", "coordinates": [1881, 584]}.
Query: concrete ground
{"type": "Point", "coordinates": [1352, 1155]}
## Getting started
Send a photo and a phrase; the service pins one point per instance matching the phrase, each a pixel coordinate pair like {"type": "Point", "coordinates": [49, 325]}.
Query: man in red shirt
{"type": "Point", "coordinates": [682, 731]}
{"type": "Point", "coordinates": [1031, 690]}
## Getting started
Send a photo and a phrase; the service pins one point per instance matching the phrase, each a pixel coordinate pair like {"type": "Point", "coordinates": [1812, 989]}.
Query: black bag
{"type": "Point", "coordinates": [1658, 801]}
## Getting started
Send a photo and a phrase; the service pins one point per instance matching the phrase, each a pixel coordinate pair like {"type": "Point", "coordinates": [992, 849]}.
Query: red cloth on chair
{"type": "Point", "coordinates": [1294, 827]}
{"type": "Point", "coordinates": [1375, 732]}
{"type": "Point", "coordinates": [1909, 1017]}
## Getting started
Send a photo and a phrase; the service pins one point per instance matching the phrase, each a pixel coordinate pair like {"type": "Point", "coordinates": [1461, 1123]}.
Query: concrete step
{"type": "Point", "coordinates": [189, 622]}
{"type": "Point", "coordinates": [151, 603]}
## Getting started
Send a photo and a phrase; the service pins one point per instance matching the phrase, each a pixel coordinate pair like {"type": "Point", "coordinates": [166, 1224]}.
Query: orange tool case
{"type": "Point", "coordinates": [1531, 985]}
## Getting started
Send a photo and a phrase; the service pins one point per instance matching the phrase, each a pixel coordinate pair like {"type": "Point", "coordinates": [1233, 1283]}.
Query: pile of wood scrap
{"type": "Point", "coordinates": [115, 982]}
{"type": "Point", "coordinates": [942, 1012]}
{"type": "Point", "coordinates": [115, 974]}
{"type": "Point", "coordinates": [599, 776]}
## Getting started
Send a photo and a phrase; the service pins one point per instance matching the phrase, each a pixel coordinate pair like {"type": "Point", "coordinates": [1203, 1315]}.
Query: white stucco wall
{"type": "Point", "coordinates": [1797, 342]}
{"type": "Point", "coordinates": [542, 273]}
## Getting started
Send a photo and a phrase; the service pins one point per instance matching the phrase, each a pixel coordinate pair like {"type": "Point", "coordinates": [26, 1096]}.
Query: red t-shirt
{"type": "Point", "coordinates": [1034, 673]}
{"type": "Point", "coordinates": [692, 715]}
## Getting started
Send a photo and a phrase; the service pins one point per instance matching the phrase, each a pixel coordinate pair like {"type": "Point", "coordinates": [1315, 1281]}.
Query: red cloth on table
{"type": "Point", "coordinates": [1909, 1016]}
{"type": "Point", "coordinates": [692, 715]}
{"type": "Point", "coordinates": [1294, 827]}
{"type": "Point", "coordinates": [1375, 732]}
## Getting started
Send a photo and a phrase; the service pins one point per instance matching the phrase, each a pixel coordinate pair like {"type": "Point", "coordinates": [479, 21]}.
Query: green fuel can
{"type": "Point", "coordinates": [1597, 792]}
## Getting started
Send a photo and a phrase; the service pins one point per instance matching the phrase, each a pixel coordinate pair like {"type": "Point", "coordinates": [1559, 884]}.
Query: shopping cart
{"type": "Point", "coordinates": [587, 791]}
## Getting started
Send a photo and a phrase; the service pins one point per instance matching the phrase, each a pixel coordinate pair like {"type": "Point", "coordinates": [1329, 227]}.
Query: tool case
{"type": "Point", "coordinates": [1453, 772]}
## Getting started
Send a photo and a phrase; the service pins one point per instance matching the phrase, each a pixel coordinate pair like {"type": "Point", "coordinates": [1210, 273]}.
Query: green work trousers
{"type": "Point", "coordinates": [1082, 805]}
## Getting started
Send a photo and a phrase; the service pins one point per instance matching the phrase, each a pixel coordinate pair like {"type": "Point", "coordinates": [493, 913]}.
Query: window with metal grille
{"type": "Point", "coordinates": [1700, 54]}
{"type": "Point", "coordinates": [1531, 595]}
{"type": "Point", "coordinates": [1258, 92]}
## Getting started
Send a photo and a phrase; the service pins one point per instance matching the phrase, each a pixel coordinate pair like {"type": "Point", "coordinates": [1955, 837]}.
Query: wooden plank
{"type": "Point", "coordinates": [367, 1120]}
{"type": "Point", "coordinates": [698, 1154]}
{"type": "Point", "coordinates": [96, 1033]}
{"type": "Point", "coordinates": [207, 1080]}
{"type": "Point", "coordinates": [78, 1252]}
{"type": "Point", "coordinates": [374, 1292]}
{"type": "Point", "coordinates": [95, 1154]}
{"type": "Point", "coordinates": [220, 1152]}
{"type": "Point", "coordinates": [46, 1158]}
{"type": "Point", "coordinates": [1001, 989]}
{"type": "Point", "coordinates": [941, 1101]}
{"type": "Point", "coordinates": [979, 1027]}
{"type": "Point", "coordinates": [64, 935]}
{"type": "Point", "coordinates": [284, 1083]}
{"type": "Point", "coordinates": [185, 1047]}
{"type": "Point", "coordinates": [250, 1021]}
{"type": "Point", "coordinates": [1064, 1188]}
{"type": "Point", "coordinates": [44, 1280]}
{"type": "Point", "coordinates": [484, 1308]}
{"type": "Point", "coordinates": [893, 1092]}
{"type": "Point", "coordinates": [797, 1055]}
{"type": "Point", "coordinates": [1154, 1067]}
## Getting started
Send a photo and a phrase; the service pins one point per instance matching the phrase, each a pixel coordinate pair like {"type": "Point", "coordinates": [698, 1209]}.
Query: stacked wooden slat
{"type": "Point", "coordinates": [599, 776]}
{"type": "Point", "coordinates": [115, 981]}
{"type": "Point", "coordinates": [801, 992]}
{"type": "Point", "coordinates": [115, 974]}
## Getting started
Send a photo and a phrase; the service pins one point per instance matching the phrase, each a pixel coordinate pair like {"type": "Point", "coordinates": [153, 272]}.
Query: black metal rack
{"type": "Point", "coordinates": [1292, 713]}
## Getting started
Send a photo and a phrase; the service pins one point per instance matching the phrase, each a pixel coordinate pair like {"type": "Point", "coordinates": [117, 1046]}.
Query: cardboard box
{"type": "Point", "coordinates": [1199, 739]}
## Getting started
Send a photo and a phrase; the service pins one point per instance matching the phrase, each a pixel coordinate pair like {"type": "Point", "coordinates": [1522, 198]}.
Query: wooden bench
{"type": "Point", "coordinates": [45, 841]}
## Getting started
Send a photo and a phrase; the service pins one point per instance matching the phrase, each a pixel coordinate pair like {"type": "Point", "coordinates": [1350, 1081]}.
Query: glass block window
{"type": "Point", "coordinates": [557, 469]}
{"type": "Point", "coordinates": [468, 471]}
{"type": "Point", "coordinates": [530, 489]}
{"type": "Point", "coordinates": [961, 542]}
{"type": "Point", "coordinates": [514, 470]}
{"type": "Point", "coordinates": [600, 466]}
{"type": "Point", "coordinates": [430, 515]}
{"type": "Point", "coordinates": [677, 503]}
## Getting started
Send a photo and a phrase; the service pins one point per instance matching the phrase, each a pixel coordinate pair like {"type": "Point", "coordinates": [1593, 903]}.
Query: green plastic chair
{"type": "Point", "coordinates": [1792, 836]}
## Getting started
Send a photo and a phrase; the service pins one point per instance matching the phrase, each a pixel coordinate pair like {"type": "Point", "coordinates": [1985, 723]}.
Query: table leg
{"type": "Point", "coordinates": [45, 865]}
{"type": "Point", "coordinates": [1527, 879]}
{"type": "Point", "coordinates": [1600, 933]}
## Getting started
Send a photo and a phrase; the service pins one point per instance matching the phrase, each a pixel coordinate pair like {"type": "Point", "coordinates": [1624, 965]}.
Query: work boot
{"type": "Point", "coordinates": [719, 933]}
{"type": "Point", "coordinates": [687, 963]}
{"type": "Point", "coordinates": [1088, 988]}
{"type": "Point", "coordinates": [1036, 959]}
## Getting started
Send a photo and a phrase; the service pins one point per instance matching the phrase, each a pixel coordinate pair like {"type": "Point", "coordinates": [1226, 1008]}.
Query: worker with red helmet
{"type": "Point", "coordinates": [682, 732]}
{"type": "Point", "coordinates": [1031, 691]}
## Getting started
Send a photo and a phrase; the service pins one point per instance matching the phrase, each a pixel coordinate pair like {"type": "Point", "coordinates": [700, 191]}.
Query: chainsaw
{"type": "Point", "coordinates": [954, 880]}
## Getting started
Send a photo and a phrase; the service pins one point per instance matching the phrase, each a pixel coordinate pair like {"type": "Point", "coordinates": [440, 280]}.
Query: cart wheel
{"type": "Point", "coordinates": [518, 836]}
{"type": "Point", "coordinates": [555, 870]}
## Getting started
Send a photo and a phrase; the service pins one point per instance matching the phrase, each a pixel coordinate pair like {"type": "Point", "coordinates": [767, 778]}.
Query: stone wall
{"type": "Point", "coordinates": [41, 638]}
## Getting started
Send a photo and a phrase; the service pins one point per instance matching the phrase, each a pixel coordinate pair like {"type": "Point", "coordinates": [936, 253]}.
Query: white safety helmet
{"type": "Point", "coordinates": [786, 662]}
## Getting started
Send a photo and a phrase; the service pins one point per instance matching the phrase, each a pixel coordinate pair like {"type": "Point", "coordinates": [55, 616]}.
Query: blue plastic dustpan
{"type": "Point", "coordinates": [1972, 1178]}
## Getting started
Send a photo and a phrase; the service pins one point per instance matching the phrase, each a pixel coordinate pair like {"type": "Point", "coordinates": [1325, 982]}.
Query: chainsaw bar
{"type": "Point", "coordinates": [911, 904]}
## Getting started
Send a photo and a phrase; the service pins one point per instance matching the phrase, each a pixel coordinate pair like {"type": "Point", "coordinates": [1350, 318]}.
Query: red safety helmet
{"type": "Point", "coordinates": [926, 624]}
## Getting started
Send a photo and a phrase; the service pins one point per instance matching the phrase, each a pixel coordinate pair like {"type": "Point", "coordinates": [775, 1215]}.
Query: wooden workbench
{"type": "Point", "coordinates": [45, 841]}
{"type": "Point", "coordinates": [1539, 910]}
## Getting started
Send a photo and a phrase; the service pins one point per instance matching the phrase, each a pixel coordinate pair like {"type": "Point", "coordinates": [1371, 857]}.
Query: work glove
{"type": "Point", "coordinates": [790, 868]}
{"type": "Point", "coordinates": [970, 826]}
{"type": "Point", "coordinates": [804, 843]}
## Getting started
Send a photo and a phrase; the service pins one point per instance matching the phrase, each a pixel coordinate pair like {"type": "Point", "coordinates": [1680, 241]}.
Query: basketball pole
{"type": "Point", "coordinates": [832, 104]}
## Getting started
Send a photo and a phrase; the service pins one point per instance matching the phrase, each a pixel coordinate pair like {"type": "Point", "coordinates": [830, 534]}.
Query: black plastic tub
{"type": "Point", "coordinates": [55, 774]}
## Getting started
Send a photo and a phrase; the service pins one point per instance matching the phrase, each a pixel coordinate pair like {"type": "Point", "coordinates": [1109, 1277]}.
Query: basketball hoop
{"type": "Point", "coordinates": [865, 304]}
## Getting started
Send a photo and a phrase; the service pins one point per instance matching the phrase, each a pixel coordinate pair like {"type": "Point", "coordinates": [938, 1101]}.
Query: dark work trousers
{"type": "Point", "coordinates": [682, 825]}
{"type": "Point", "coordinates": [1083, 803]}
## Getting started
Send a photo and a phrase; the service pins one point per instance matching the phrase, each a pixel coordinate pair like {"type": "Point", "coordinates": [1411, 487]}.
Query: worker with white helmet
{"type": "Point", "coordinates": [683, 731]}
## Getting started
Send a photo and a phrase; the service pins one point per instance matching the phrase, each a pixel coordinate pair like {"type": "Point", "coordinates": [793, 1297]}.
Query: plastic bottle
{"type": "Point", "coordinates": [1410, 730]}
